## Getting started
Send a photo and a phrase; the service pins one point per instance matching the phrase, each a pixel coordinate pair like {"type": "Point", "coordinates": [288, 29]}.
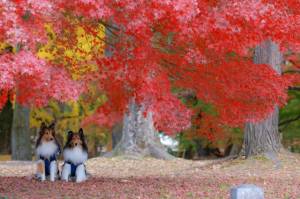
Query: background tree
{"type": "Point", "coordinates": [289, 123]}
{"type": "Point", "coordinates": [20, 135]}
{"type": "Point", "coordinates": [6, 117]}
{"type": "Point", "coordinates": [75, 57]}
{"type": "Point", "coordinates": [264, 137]}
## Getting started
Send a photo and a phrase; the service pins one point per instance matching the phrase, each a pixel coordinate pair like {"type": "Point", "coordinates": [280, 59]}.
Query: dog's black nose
{"type": "Point", "coordinates": [75, 144]}
{"type": "Point", "coordinates": [51, 139]}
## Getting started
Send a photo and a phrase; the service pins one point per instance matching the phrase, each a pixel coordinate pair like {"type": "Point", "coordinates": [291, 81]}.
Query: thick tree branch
{"type": "Point", "coordinates": [294, 88]}
{"type": "Point", "coordinates": [292, 71]}
{"type": "Point", "coordinates": [110, 28]}
{"type": "Point", "coordinates": [286, 122]}
{"type": "Point", "coordinates": [185, 93]}
{"type": "Point", "coordinates": [105, 41]}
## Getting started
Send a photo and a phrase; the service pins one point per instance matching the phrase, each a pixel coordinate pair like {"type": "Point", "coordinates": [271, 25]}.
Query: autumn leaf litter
{"type": "Point", "coordinates": [151, 178]}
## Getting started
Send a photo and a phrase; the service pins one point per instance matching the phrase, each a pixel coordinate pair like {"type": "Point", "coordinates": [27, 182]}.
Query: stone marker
{"type": "Point", "coordinates": [246, 191]}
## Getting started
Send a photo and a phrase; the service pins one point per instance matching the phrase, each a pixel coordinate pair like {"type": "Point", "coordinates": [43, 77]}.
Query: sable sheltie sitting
{"type": "Point", "coordinates": [75, 154]}
{"type": "Point", "coordinates": [47, 150]}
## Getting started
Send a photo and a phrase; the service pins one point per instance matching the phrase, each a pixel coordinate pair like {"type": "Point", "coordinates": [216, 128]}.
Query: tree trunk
{"type": "Point", "coordinates": [116, 134]}
{"type": "Point", "coordinates": [6, 117]}
{"type": "Point", "coordinates": [263, 137]}
{"type": "Point", "coordinates": [139, 137]}
{"type": "Point", "coordinates": [20, 136]}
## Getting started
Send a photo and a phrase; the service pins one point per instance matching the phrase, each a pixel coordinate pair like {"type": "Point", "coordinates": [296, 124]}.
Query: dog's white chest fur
{"type": "Point", "coordinates": [75, 155]}
{"type": "Point", "coordinates": [46, 149]}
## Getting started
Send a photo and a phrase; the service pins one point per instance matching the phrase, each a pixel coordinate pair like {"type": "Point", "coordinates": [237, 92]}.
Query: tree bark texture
{"type": "Point", "coordinates": [20, 136]}
{"type": "Point", "coordinates": [139, 137]}
{"type": "Point", "coordinates": [263, 137]}
{"type": "Point", "coordinates": [6, 117]}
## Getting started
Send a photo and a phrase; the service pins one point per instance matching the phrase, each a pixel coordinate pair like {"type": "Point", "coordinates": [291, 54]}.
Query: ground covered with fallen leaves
{"type": "Point", "coordinates": [150, 178]}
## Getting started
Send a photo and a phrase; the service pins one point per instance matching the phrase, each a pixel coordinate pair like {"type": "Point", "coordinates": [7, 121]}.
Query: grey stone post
{"type": "Point", "coordinates": [246, 191]}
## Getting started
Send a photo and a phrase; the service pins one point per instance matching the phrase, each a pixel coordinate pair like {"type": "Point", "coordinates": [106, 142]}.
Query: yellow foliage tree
{"type": "Point", "coordinates": [76, 55]}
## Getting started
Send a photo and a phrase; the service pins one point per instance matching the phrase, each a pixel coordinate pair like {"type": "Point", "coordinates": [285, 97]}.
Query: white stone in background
{"type": "Point", "coordinates": [246, 191]}
{"type": "Point", "coordinates": [169, 142]}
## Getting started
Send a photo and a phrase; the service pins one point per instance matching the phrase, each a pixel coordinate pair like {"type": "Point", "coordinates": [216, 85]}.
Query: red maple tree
{"type": "Point", "coordinates": [202, 46]}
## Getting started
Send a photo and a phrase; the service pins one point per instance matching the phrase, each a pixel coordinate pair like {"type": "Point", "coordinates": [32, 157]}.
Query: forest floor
{"type": "Point", "coordinates": [150, 178]}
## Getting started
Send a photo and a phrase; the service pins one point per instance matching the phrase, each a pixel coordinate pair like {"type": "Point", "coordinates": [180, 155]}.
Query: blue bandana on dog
{"type": "Point", "coordinates": [47, 162]}
{"type": "Point", "coordinates": [73, 168]}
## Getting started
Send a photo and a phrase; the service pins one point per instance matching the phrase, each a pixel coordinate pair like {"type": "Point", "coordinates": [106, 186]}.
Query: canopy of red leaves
{"type": "Point", "coordinates": [199, 45]}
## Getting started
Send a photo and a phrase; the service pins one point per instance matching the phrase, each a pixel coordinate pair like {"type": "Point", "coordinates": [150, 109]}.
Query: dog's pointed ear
{"type": "Point", "coordinates": [69, 136]}
{"type": "Point", "coordinates": [43, 125]}
{"type": "Point", "coordinates": [52, 125]}
{"type": "Point", "coordinates": [81, 133]}
{"type": "Point", "coordinates": [42, 128]}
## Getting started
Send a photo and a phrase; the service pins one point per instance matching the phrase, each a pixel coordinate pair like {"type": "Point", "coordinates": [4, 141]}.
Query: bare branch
{"type": "Point", "coordinates": [294, 88]}
{"type": "Point", "coordinates": [291, 71]}
{"type": "Point", "coordinates": [287, 122]}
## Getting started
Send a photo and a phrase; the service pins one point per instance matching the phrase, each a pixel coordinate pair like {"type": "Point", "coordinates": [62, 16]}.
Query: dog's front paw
{"type": "Point", "coordinates": [40, 177]}
{"type": "Point", "coordinates": [80, 179]}
{"type": "Point", "coordinates": [80, 173]}
{"type": "Point", "coordinates": [66, 171]}
{"type": "Point", "coordinates": [52, 178]}
{"type": "Point", "coordinates": [53, 171]}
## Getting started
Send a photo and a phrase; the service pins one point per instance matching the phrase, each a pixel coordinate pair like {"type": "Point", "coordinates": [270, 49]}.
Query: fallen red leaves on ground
{"type": "Point", "coordinates": [149, 187]}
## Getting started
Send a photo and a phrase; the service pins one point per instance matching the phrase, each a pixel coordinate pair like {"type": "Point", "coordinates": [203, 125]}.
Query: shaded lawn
{"type": "Point", "coordinates": [149, 187]}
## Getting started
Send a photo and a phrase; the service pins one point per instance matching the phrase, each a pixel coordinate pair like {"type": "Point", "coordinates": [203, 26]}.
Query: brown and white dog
{"type": "Point", "coordinates": [75, 154]}
{"type": "Point", "coordinates": [47, 150]}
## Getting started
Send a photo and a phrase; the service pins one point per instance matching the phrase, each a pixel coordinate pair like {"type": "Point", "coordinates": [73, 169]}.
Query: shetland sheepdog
{"type": "Point", "coordinates": [47, 150]}
{"type": "Point", "coordinates": [75, 154]}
